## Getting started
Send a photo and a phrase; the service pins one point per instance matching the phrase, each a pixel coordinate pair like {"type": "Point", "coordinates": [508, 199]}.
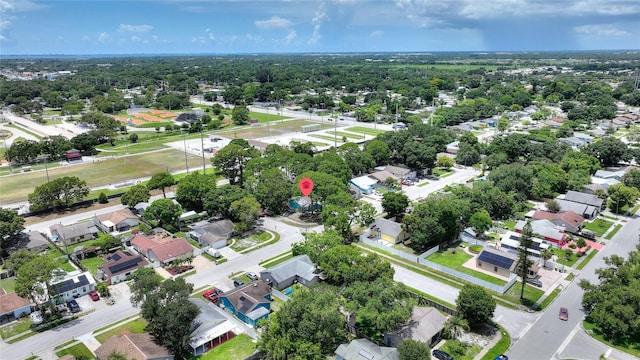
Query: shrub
{"type": "Point", "coordinates": [475, 248]}
{"type": "Point", "coordinates": [102, 198]}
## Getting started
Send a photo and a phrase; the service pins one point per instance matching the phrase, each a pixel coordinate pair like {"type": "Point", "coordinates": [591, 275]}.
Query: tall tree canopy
{"type": "Point", "coordinates": [11, 224]}
{"type": "Point", "coordinates": [161, 181]}
{"type": "Point", "coordinates": [58, 193]}
{"type": "Point", "coordinates": [475, 305]}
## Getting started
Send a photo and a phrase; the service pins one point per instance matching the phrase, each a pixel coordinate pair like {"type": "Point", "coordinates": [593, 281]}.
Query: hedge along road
{"type": "Point", "coordinates": [16, 188]}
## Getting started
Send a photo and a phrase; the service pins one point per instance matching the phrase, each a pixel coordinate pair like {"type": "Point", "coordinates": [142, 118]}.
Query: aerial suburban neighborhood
{"type": "Point", "coordinates": [351, 206]}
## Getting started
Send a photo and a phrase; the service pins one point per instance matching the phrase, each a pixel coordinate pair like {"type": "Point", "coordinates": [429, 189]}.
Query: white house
{"type": "Point", "coordinates": [75, 284]}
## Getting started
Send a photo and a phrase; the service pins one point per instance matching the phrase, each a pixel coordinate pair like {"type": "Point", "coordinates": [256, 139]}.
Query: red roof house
{"type": "Point", "coordinates": [569, 220]}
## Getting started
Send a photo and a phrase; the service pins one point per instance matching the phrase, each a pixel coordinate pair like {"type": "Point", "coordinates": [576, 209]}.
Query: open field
{"type": "Point", "coordinates": [265, 118]}
{"type": "Point", "coordinates": [273, 129]}
{"type": "Point", "coordinates": [15, 188]}
{"type": "Point", "coordinates": [364, 130]}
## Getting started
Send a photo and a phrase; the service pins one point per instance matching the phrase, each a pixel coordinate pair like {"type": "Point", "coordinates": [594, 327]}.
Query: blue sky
{"type": "Point", "coordinates": [30, 27]}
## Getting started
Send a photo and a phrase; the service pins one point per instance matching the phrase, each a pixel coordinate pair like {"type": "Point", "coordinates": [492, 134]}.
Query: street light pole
{"type": "Point", "coordinates": [46, 169]}
{"type": "Point", "coordinates": [186, 163]}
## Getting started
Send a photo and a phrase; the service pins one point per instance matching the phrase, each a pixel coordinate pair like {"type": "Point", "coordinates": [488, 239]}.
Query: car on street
{"type": "Point", "coordinates": [564, 314]}
{"type": "Point", "coordinates": [212, 294]}
{"type": "Point", "coordinates": [94, 295]}
{"type": "Point", "coordinates": [36, 318]}
{"type": "Point", "coordinates": [534, 282]}
{"type": "Point", "coordinates": [253, 276]}
{"type": "Point", "coordinates": [73, 306]}
{"type": "Point", "coordinates": [238, 282]}
{"type": "Point", "coordinates": [441, 355]}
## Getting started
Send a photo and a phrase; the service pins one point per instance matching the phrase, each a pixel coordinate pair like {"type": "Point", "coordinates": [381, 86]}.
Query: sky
{"type": "Point", "coordinates": [87, 27]}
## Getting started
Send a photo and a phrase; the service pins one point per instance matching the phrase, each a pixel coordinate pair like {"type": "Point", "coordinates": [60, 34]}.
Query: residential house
{"type": "Point", "coordinates": [573, 141]}
{"type": "Point", "coordinates": [569, 221]}
{"type": "Point", "coordinates": [585, 211]}
{"type": "Point", "coordinates": [119, 265]}
{"type": "Point", "coordinates": [388, 230]}
{"type": "Point", "coordinates": [363, 349]}
{"type": "Point", "coordinates": [401, 172]}
{"type": "Point", "coordinates": [250, 302]}
{"type": "Point", "coordinates": [169, 251]}
{"type": "Point", "coordinates": [425, 325]}
{"type": "Point", "coordinates": [365, 184]}
{"type": "Point", "coordinates": [212, 234]}
{"type": "Point", "coordinates": [75, 284]}
{"type": "Point", "coordinates": [606, 174]}
{"type": "Point", "coordinates": [74, 233]}
{"type": "Point", "coordinates": [382, 176]}
{"type": "Point", "coordinates": [298, 269]}
{"type": "Point", "coordinates": [510, 242]}
{"type": "Point", "coordinates": [602, 182]}
{"type": "Point", "coordinates": [117, 221]}
{"type": "Point", "coordinates": [140, 207]}
{"type": "Point", "coordinates": [588, 139]}
{"type": "Point", "coordinates": [499, 262]}
{"type": "Point", "coordinates": [546, 230]}
{"type": "Point", "coordinates": [210, 329]}
{"type": "Point", "coordinates": [133, 346]}
{"type": "Point", "coordinates": [584, 198]}
{"type": "Point", "coordinates": [258, 145]}
{"type": "Point", "coordinates": [468, 234]}
{"type": "Point", "coordinates": [32, 241]}
{"type": "Point", "coordinates": [594, 188]}
{"type": "Point", "coordinates": [599, 132]}
{"type": "Point", "coordinates": [13, 306]}
{"type": "Point", "coordinates": [453, 147]}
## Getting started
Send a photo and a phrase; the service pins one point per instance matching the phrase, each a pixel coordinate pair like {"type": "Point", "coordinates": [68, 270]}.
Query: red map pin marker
{"type": "Point", "coordinates": [306, 186]}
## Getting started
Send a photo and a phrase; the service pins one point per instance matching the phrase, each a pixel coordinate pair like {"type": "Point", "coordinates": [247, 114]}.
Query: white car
{"type": "Point", "coordinates": [36, 317]}
{"type": "Point", "coordinates": [251, 275]}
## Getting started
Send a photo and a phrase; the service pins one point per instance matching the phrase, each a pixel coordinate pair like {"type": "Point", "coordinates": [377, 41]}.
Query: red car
{"type": "Point", "coordinates": [94, 295]}
{"type": "Point", "coordinates": [564, 314]}
{"type": "Point", "coordinates": [212, 294]}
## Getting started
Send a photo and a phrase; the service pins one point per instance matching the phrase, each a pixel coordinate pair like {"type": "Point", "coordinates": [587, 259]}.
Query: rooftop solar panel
{"type": "Point", "coordinates": [125, 265]}
{"type": "Point", "coordinates": [70, 284]}
{"type": "Point", "coordinates": [496, 259]}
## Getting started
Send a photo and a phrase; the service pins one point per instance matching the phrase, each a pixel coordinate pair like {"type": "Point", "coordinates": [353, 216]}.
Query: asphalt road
{"type": "Point", "coordinates": [552, 338]}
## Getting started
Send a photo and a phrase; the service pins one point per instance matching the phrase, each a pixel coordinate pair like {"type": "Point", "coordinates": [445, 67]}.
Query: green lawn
{"type": "Point", "coordinates": [346, 134]}
{"type": "Point", "coordinates": [276, 259]}
{"type": "Point", "coordinates": [264, 118]}
{"type": "Point", "coordinates": [25, 130]}
{"type": "Point", "coordinates": [510, 224]}
{"type": "Point", "coordinates": [613, 232]}
{"type": "Point", "coordinates": [455, 261]}
{"type": "Point", "coordinates": [584, 262]}
{"type": "Point", "coordinates": [77, 350]}
{"type": "Point", "coordinates": [632, 348]}
{"type": "Point", "coordinates": [469, 351]}
{"type": "Point", "coordinates": [238, 348]}
{"type": "Point", "coordinates": [92, 264]}
{"type": "Point", "coordinates": [364, 130]}
{"type": "Point", "coordinates": [554, 294]}
{"type": "Point", "coordinates": [599, 226]}
{"type": "Point", "coordinates": [328, 138]}
{"type": "Point", "coordinates": [500, 347]}
{"type": "Point", "coordinates": [564, 261]}
{"type": "Point", "coordinates": [8, 284]}
{"type": "Point", "coordinates": [136, 326]}
{"type": "Point", "coordinates": [15, 328]}
{"type": "Point", "coordinates": [531, 294]}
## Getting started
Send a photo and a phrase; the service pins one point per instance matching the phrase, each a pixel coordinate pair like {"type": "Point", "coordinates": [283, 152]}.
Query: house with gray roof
{"type": "Point", "coordinates": [586, 211]}
{"type": "Point", "coordinates": [363, 349]}
{"type": "Point", "coordinates": [32, 241]}
{"type": "Point", "coordinates": [388, 230]}
{"type": "Point", "coordinates": [401, 172]}
{"type": "Point", "coordinates": [545, 229]}
{"type": "Point", "coordinates": [74, 233]}
{"type": "Point", "coordinates": [584, 198]}
{"type": "Point", "coordinates": [212, 234]}
{"type": "Point", "coordinates": [299, 269]}
{"type": "Point", "coordinates": [425, 325]}
{"type": "Point", "coordinates": [605, 174]}
{"type": "Point", "coordinates": [249, 303]}
{"type": "Point", "coordinates": [210, 328]}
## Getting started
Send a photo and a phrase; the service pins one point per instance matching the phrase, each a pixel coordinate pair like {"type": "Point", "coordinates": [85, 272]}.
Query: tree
{"type": "Point", "coordinates": [632, 178]}
{"type": "Point", "coordinates": [218, 200]}
{"type": "Point", "coordinates": [445, 162]}
{"type": "Point", "coordinates": [244, 212]}
{"type": "Point", "coordinates": [17, 259]}
{"type": "Point", "coordinates": [273, 190]}
{"type": "Point", "coordinates": [467, 154]}
{"type": "Point", "coordinates": [454, 327]}
{"type": "Point", "coordinates": [345, 264]}
{"type": "Point", "coordinates": [523, 254]}
{"type": "Point", "coordinates": [394, 203]}
{"type": "Point", "coordinates": [133, 138]}
{"type": "Point", "coordinates": [160, 181]}
{"type": "Point", "coordinates": [240, 115]}
{"type": "Point", "coordinates": [612, 302]}
{"type": "Point", "coordinates": [232, 159]}
{"type": "Point", "coordinates": [23, 152]}
{"type": "Point", "coordinates": [135, 195]}
{"type": "Point", "coordinates": [608, 150]}
{"type": "Point", "coordinates": [503, 123]}
{"type": "Point", "coordinates": [481, 221]}
{"type": "Point", "coordinates": [621, 196]}
{"type": "Point", "coordinates": [546, 254]}
{"type": "Point", "coordinates": [33, 278]}
{"type": "Point", "coordinates": [308, 326]}
{"type": "Point", "coordinates": [164, 213]}
{"type": "Point", "coordinates": [552, 206]}
{"type": "Point", "coordinates": [380, 306]}
{"type": "Point", "coordinates": [475, 305]}
{"type": "Point", "coordinates": [58, 193]}
{"type": "Point", "coordinates": [433, 222]}
{"type": "Point", "coordinates": [11, 224]}
{"type": "Point", "coordinates": [169, 312]}
{"type": "Point", "coordinates": [379, 151]}
{"type": "Point", "coordinates": [411, 349]}
{"type": "Point", "coordinates": [102, 198]}
{"type": "Point", "coordinates": [315, 244]}
{"type": "Point", "coordinates": [192, 190]}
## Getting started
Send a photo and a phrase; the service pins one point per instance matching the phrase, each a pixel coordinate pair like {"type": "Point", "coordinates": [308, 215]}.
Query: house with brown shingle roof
{"type": "Point", "coordinates": [133, 346]}
{"type": "Point", "coordinates": [117, 221]}
{"type": "Point", "coordinates": [13, 306]}
{"type": "Point", "coordinates": [119, 265]}
{"type": "Point", "coordinates": [569, 220]}
{"type": "Point", "coordinates": [174, 249]}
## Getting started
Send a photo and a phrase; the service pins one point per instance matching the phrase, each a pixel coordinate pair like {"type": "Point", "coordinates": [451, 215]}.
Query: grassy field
{"type": "Point", "coordinates": [598, 226]}
{"type": "Point", "coordinates": [274, 129]}
{"type": "Point", "coordinates": [328, 138]}
{"type": "Point", "coordinates": [364, 130]}
{"type": "Point", "coordinates": [15, 328]}
{"type": "Point", "coordinates": [24, 130]}
{"type": "Point", "coordinates": [92, 264]}
{"type": "Point", "coordinates": [456, 261]}
{"type": "Point", "coordinates": [8, 284]}
{"type": "Point", "coordinates": [112, 171]}
{"type": "Point", "coordinates": [347, 135]}
{"type": "Point", "coordinates": [265, 118]}
{"type": "Point", "coordinates": [136, 326]}
{"type": "Point", "coordinates": [238, 348]}
{"type": "Point", "coordinates": [78, 350]}
{"type": "Point", "coordinates": [613, 232]}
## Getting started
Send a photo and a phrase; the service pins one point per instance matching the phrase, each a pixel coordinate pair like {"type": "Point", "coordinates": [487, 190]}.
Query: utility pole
{"type": "Point", "coordinates": [204, 168]}
{"type": "Point", "coordinates": [186, 163]}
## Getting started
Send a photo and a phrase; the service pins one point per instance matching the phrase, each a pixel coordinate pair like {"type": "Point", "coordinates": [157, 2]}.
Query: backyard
{"type": "Point", "coordinates": [238, 348]}
{"type": "Point", "coordinates": [455, 261]}
{"type": "Point", "coordinates": [136, 326]}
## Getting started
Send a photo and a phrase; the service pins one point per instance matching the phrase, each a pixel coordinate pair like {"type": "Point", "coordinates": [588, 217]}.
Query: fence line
{"type": "Point", "coordinates": [279, 294]}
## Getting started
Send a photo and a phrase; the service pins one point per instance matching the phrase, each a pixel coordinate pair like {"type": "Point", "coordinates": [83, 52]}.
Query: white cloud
{"type": "Point", "coordinates": [290, 37]}
{"type": "Point", "coordinates": [607, 30]}
{"type": "Point", "coordinates": [274, 22]}
{"type": "Point", "coordinates": [376, 33]}
{"type": "Point", "coordinates": [4, 24]}
{"type": "Point", "coordinates": [104, 37]}
{"type": "Point", "coordinates": [210, 34]}
{"type": "Point", "coordinates": [321, 15]}
{"type": "Point", "coordinates": [135, 28]}
{"type": "Point", "coordinates": [2, 38]}
{"type": "Point", "coordinates": [135, 38]}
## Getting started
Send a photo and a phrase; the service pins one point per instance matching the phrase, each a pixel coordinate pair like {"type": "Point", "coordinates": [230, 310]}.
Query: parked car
{"type": "Point", "coordinates": [36, 318]}
{"type": "Point", "coordinates": [564, 314]}
{"type": "Point", "coordinates": [238, 282]}
{"type": "Point", "coordinates": [534, 282]}
{"type": "Point", "coordinates": [73, 306]}
{"type": "Point", "coordinates": [94, 295]}
{"type": "Point", "coordinates": [213, 252]}
{"type": "Point", "coordinates": [62, 308]}
{"type": "Point", "coordinates": [441, 355]}
{"type": "Point", "coordinates": [253, 276]}
{"type": "Point", "coordinates": [213, 294]}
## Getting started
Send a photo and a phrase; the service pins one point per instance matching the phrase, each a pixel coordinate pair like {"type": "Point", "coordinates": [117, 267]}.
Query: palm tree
{"type": "Point", "coordinates": [546, 255]}
{"type": "Point", "coordinates": [454, 327]}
